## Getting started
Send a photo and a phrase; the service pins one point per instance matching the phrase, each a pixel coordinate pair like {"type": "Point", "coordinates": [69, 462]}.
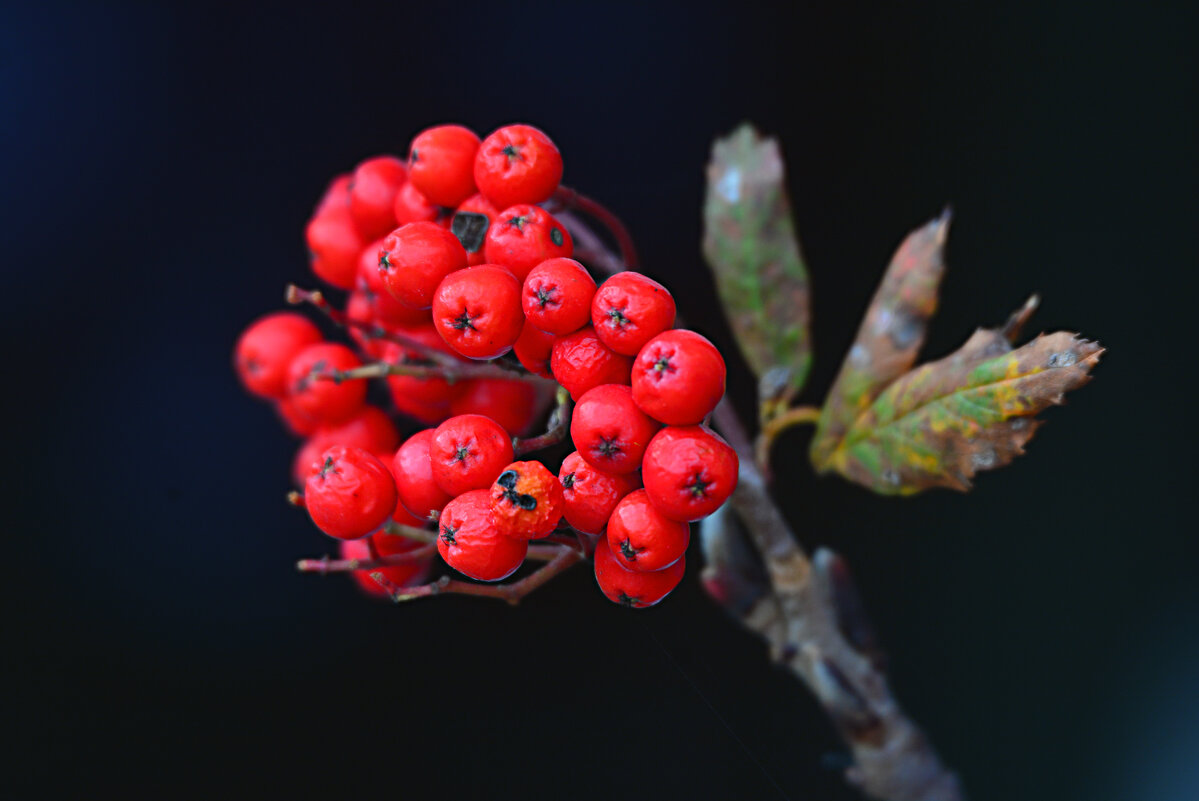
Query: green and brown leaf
{"type": "Point", "coordinates": [750, 244]}
{"type": "Point", "coordinates": [899, 431]}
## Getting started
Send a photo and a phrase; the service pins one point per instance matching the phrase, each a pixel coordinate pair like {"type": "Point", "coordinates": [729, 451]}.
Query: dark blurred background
{"type": "Point", "coordinates": [158, 167]}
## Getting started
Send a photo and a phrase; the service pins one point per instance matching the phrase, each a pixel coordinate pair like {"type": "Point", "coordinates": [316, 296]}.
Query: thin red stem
{"type": "Point", "coordinates": [571, 199]}
{"type": "Point", "coordinates": [556, 431]}
{"type": "Point", "coordinates": [512, 593]}
{"type": "Point", "coordinates": [326, 565]}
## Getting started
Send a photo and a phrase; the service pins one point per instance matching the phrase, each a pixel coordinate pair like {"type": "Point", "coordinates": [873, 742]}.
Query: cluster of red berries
{"type": "Point", "coordinates": [452, 251]}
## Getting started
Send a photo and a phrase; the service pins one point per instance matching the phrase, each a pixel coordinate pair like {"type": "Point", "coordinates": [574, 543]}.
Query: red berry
{"type": "Point", "coordinates": [678, 378]}
{"type": "Point", "coordinates": [413, 472]}
{"type": "Point", "coordinates": [350, 493]}
{"type": "Point", "coordinates": [526, 501]}
{"type": "Point", "coordinates": [642, 538]}
{"type": "Point", "coordinates": [429, 414]}
{"type": "Point", "coordinates": [415, 258]}
{"type": "Point", "coordinates": [521, 237]}
{"type": "Point", "coordinates": [609, 430]}
{"type": "Point", "coordinates": [469, 541]}
{"type": "Point", "coordinates": [630, 309]}
{"type": "Point", "coordinates": [382, 544]}
{"type": "Point", "coordinates": [334, 242]}
{"type": "Point", "coordinates": [441, 163]}
{"type": "Point", "coordinates": [298, 423]}
{"type": "Point", "coordinates": [477, 311]}
{"type": "Point", "coordinates": [323, 399]}
{"type": "Point", "coordinates": [426, 390]}
{"type": "Point", "coordinates": [385, 310]}
{"type": "Point", "coordinates": [517, 164]}
{"type": "Point", "coordinates": [470, 224]}
{"type": "Point", "coordinates": [337, 195]}
{"type": "Point", "coordinates": [630, 588]}
{"type": "Point", "coordinates": [411, 206]}
{"type": "Point", "coordinates": [266, 348]}
{"type": "Point", "coordinates": [373, 192]}
{"type": "Point", "coordinates": [689, 472]}
{"type": "Point", "coordinates": [556, 296]}
{"type": "Point", "coordinates": [468, 452]}
{"type": "Point", "coordinates": [533, 348]}
{"type": "Point", "coordinates": [513, 404]}
{"type": "Point", "coordinates": [371, 430]}
{"type": "Point", "coordinates": [580, 362]}
{"type": "Point", "coordinates": [591, 494]}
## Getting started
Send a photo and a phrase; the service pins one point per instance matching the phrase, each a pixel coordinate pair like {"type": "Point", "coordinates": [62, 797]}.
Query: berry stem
{"type": "Point", "coordinates": [458, 371]}
{"type": "Point", "coordinates": [411, 532]}
{"type": "Point", "coordinates": [556, 431]}
{"type": "Point", "coordinates": [571, 199]}
{"type": "Point", "coordinates": [326, 565]}
{"type": "Point", "coordinates": [512, 593]}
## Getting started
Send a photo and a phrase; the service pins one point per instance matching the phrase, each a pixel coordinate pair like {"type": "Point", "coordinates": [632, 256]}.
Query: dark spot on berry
{"type": "Point", "coordinates": [608, 447]}
{"type": "Point", "coordinates": [384, 261]}
{"type": "Point", "coordinates": [252, 365]}
{"type": "Point", "coordinates": [617, 319]}
{"type": "Point", "coordinates": [628, 551]}
{"type": "Point", "coordinates": [568, 481]}
{"type": "Point", "coordinates": [511, 152]}
{"type": "Point", "coordinates": [461, 454]}
{"type": "Point", "coordinates": [447, 535]}
{"type": "Point", "coordinates": [518, 221]}
{"type": "Point", "coordinates": [545, 296]}
{"type": "Point", "coordinates": [507, 479]}
{"type": "Point", "coordinates": [327, 467]}
{"type": "Point", "coordinates": [662, 365]}
{"type": "Point", "coordinates": [471, 229]}
{"type": "Point", "coordinates": [464, 321]}
{"type": "Point", "coordinates": [556, 236]}
{"type": "Point", "coordinates": [626, 600]}
{"type": "Point", "coordinates": [415, 156]}
{"type": "Point", "coordinates": [699, 486]}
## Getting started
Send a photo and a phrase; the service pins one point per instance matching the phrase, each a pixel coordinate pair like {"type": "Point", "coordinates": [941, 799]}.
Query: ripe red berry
{"type": "Point", "coordinates": [689, 472]}
{"type": "Point", "coordinates": [334, 242]}
{"type": "Point", "coordinates": [441, 163]}
{"type": "Point", "coordinates": [527, 501]}
{"type": "Point", "coordinates": [557, 294]}
{"type": "Point", "coordinates": [642, 538]}
{"type": "Point", "coordinates": [533, 348]}
{"type": "Point", "coordinates": [629, 587]}
{"type": "Point", "coordinates": [630, 309]}
{"type": "Point", "coordinates": [266, 348]}
{"type": "Point", "coordinates": [678, 378]}
{"type": "Point", "coordinates": [337, 194]}
{"type": "Point", "coordinates": [413, 473]}
{"type": "Point", "coordinates": [521, 237]}
{"type": "Point", "coordinates": [382, 544]}
{"type": "Point", "coordinates": [384, 309]}
{"type": "Point", "coordinates": [370, 429]}
{"type": "Point", "coordinates": [468, 452]}
{"type": "Point", "coordinates": [415, 258]}
{"type": "Point", "coordinates": [323, 399]}
{"type": "Point", "coordinates": [411, 206]}
{"type": "Point", "coordinates": [511, 403]}
{"type": "Point", "coordinates": [298, 423]}
{"type": "Point", "coordinates": [591, 494]}
{"type": "Point", "coordinates": [373, 192]}
{"type": "Point", "coordinates": [517, 164]}
{"type": "Point", "coordinates": [469, 541]}
{"type": "Point", "coordinates": [580, 361]}
{"type": "Point", "coordinates": [350, 493]}
{"type": "Point", "coordinates": [470, 224]}
{"type": "Point", "coordinates": [477, 311]}
{"type": "Point", "coordinates": [608, 429]}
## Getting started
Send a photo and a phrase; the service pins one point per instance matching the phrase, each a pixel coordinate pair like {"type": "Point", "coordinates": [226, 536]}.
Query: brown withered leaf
{"type": "Point", "coordinates": [888, 339]}
{"type": "Point", "coordinates": [750, 244]}
{"type": "Point", "coordinates": [941, 423]}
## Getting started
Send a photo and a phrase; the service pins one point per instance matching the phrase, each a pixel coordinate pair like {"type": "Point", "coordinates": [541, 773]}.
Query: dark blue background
{"type": "Point", "coordinates": [158, 166]}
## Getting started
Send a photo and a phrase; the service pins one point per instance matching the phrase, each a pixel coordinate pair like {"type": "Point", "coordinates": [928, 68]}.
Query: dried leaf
{"type": "Point", "coordinates": [889, 338]}
{"type": "Point", "coordinates": [750, 244]}
{"type": "Point", "coordinates": [943, 422]}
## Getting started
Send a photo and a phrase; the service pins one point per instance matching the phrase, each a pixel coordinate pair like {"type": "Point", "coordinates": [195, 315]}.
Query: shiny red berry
{"type": "Point", "coordinates": [298, 423]}
{"type": "Point", "coordinates": [415, 258]}
{"type": "Point", "coordinates": [382, 544]}
{"type": "Point", "coordinates": [370, 430]}
{"type": "Point", "coordinates": [678, 378]}
{"type": "Point", "coordinates": [556, 296]}
{"type": "Point", "coordinates": [319, 398]}
{"type": "Point", "coordinates": [526, 500]}
{"type": "Point", "coordinates": [521, 237]}
{"type": "Point", "coordinates": [533, 348]}
{"type": "Point", "coordinates": [266, 348]}
{"type": "Point", "coordinates": [608, 429]}
{"type": "Point", "coordinates": [580, 361]}
{"type": "Point", "coordinates": [591, 494]}
{"type": "Point", "coordinates": [441, 163]}
{"type": "Point", "coordinates": [335, 244]}
{"type": "Point", "coordinates": [517, 164]}
{"type": "Point", "coordinates": [411, 206]}
{"type": "Point", "coordinates": [644, 539]}
{"type": "Point", "coordinates": [350, 493]}
{"type": "Point", "coordinates": [477, 311]}
{"type": "Point", "coordinates": [629, 587]}
{"type": "Point", "coordinates": [413, 472]}
{"type": "Point", "coordinates": [630, 309]}
{"type": "Point", "coordinates": [469, 541]}
{"type": "Point", "coordinates": [373, 192]}
{"type": "Point", "coordinates": [468, 452]}
{"type": "Point", "coordinates": [472, 219]}
{"type": "Point", "coordinates": [689, 472]}
{"type": "Point", "coordinates": [511, 403]}
{"type": "Point", "coordinates": [384, 309]}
